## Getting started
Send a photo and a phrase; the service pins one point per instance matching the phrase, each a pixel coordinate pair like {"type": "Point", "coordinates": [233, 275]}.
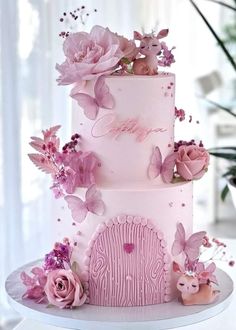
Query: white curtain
{"type": "Point", "coordinates": [30, 99]}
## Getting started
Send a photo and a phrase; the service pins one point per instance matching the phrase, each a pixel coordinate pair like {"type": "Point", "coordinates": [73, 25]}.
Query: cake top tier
{"type": "Point", "coordinates": [142, 118]}
{"type": "Point", "coordinates": [102, 52]}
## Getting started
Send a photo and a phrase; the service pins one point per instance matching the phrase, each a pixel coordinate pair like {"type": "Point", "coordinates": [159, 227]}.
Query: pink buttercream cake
{"type": "Point", "coordinates": [125, 184]}
{"type": "Point", "coordinates": [139, 212]}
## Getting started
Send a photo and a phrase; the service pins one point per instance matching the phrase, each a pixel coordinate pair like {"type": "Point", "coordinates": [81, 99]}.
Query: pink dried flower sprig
{"type": "Point", "coordinates": [217, 249]}
{"type": "Point", "coordinates": [79, 15]}
{"type": "Point", "coordinates": [69, 168]}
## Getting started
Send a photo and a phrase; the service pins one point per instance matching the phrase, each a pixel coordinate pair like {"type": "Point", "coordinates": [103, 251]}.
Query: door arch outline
{"type": "Point", "coordinates": [129, 219]}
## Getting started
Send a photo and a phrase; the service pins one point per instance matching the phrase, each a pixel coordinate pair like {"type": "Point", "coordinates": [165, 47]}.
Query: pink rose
{"type": "Point", "coordinates": [89, 55]}
{"type": "Point", "coordinates": [192, 161]}
{"type": "Point", "coordinates": [64, 289]}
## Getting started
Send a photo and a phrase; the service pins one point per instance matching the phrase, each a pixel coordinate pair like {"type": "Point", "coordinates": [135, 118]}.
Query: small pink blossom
{"type": "Point", "coordinates": [192, 162]}
{"type": "Point", "coordinates": [64, 289]}
{"type": "Point", "coordinates": [206, 242]}
{"type": "Point", "coordinates": [57, 191]}
{"type": "Point", "coordinates": [89, 55]}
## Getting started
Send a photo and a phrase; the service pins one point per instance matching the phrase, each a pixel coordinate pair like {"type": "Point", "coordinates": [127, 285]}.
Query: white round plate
{"type": "Point", "coordinates": [89, 317]}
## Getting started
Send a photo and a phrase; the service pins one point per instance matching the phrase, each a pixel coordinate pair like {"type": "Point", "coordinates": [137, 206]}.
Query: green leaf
{"type": "Point", "coordinates": [222, 148]}
{"type": "Point", "coordinates": [224, 193]}
{"type": "Point", "coordinates": [224, 155]}
{"type": "Point", "coordinates": [231, 172]}
{"type": "Point", "coordinates": [221, 44]}
{"type": "Point", "coordinates": [75, 267]}
{"type": "Point", "coordinates": [223, 4]}
{"type": "Point", "coordinates": [125, 60]}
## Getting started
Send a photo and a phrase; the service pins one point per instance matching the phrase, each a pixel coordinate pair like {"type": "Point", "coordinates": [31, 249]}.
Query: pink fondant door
{"type": "Point", "coordinates": [127, 267]}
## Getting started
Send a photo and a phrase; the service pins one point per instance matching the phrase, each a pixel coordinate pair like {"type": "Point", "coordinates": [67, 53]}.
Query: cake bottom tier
{"type": "Point", "coordinates": [124, 257]}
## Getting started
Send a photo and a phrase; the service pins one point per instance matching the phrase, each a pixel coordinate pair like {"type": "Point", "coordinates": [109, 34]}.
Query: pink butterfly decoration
{"type": "Point", "coordinates": [164, 168]}
{"type": "Point", "coordinates": [91, 105]}
{"type": "Point", "coordinates": [189, 247]}
{"type": "Point", "coordinates": [93, 203]}
{"type": "Point", "coordinates": [128, 247]}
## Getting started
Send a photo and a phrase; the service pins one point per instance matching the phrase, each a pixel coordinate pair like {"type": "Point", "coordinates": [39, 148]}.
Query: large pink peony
{"type": "Point", "coordinates": [64, 289]}
{"type": "Point", "coordinates": [89, 55]}
{"type": "Point", "coordinates": [192, 162]}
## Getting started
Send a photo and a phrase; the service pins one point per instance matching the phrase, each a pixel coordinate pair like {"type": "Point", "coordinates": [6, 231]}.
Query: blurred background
{"type": "Point", "coordinates": [30, 100]}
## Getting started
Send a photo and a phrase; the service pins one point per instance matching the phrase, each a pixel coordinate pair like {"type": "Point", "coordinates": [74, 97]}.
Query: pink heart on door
{"type": "Point", "coordinates": [128, 247]}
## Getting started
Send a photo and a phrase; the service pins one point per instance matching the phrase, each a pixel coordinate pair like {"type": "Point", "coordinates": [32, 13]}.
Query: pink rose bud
{"type": "Point", "coordinates": [192, 161]}
{"type": "Point", "coordinates": [64, 289]}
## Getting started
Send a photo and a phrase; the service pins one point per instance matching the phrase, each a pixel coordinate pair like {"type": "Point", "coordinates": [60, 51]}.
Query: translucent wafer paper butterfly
{"type": "Point", "coordinates": [93, 203]}
{"type": "Point", "coordinates": [91, 105]}
{"type": "Point", "coordinates": [164, 168]}
{"type": "Point", "coordinates": [191, 246]}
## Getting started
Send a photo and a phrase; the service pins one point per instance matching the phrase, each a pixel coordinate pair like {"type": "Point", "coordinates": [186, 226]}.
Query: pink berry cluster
{"type": "Point", "coordinates": [179, 113]}
{"type": "Point", "coordinates": [186, 143]}
{"type": "Point", "coordinates": [71, 146]}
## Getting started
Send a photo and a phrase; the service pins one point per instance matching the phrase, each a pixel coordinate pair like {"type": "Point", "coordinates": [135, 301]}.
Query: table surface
{"type": "Point", "coordinates": [227, 318]}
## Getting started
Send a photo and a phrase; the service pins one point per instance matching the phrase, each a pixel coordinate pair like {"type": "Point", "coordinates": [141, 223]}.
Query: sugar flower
{"type": "Point", "coordinates": [64, 289]}
{"type": "Point", "coordinates": [192, 161]}
{"type": "Point", "coordinates": [89, 55]}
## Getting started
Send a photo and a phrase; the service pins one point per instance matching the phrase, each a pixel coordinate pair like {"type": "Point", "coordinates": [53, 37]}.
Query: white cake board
{"type": "Point", "coordinates": [89, 317]}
